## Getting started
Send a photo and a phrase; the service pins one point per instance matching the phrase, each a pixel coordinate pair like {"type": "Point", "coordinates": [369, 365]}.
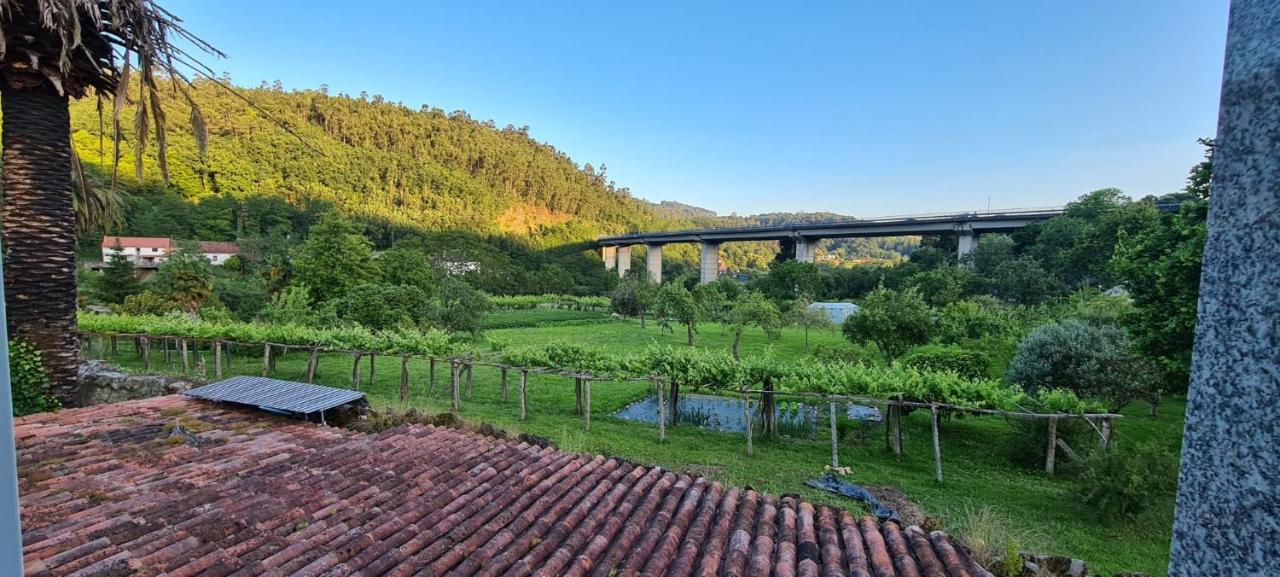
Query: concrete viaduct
{"type": "Point", "coordinates": [616, 250]}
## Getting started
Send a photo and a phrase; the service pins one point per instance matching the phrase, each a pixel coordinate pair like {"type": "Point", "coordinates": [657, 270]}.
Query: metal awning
{"type": "Point", "coordinates": [275, 394]}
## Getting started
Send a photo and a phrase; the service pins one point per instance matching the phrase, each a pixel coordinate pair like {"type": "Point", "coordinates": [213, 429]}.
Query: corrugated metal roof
{"type": "Point", "coordinates": [275, 394]}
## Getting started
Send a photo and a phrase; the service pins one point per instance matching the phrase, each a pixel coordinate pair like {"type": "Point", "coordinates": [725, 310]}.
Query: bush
{"type": "Point", "coordinates": [854, 355]}
{"type": "Point", "coordinates": [1092, 361]}
{"type": "Point", "coordinates": [30, 384]}
{"type": "Point", "coordinates": [147, 302]}
{"type": "Point", "coordinates": [1118, 484]}
{"type": "Point", "coordinates": [893, 320]}
{"type": "Point", "coordinates": [963, 362]}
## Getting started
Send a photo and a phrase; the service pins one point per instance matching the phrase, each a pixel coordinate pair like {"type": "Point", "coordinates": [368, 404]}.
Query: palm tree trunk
{"type": "Point", "coordinates": [39, 226]}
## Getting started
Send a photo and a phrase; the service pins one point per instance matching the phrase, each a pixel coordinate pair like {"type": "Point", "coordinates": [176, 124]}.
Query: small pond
{"type": "Point", "coordinates": [724, 414]}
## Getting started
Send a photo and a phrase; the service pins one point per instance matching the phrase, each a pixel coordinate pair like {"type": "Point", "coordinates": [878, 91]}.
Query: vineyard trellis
{"type": "Point", "coordinates": [666, 369]}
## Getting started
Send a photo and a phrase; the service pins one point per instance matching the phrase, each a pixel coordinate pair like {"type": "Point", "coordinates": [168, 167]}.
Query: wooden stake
{"type": "Point", "coordinates": [662, 412]}
{"type": "Point", "coordinates": [470, 368]}
{"type": "Point", "coordinates": [586, 408]}
{"type": "Point", "coordinates": [217, 359]}
{"type": "Point", "coordinates": [373, 367]}
{"type": "Point", "coordinates": [164, 346]}
{"type": "Point", "coordinates": [431, 377]}
{"type": "Point", "coordinates": [145, 345]}
{"type": "Point", "coordinates": [895, 428]}
{"type": "Point", "coordinates": [937, 446]}
{"type": "Point", "coordinates": [746, 415]}
{"type": "Point", "coordinates": [312, 360]}
{"type": "Point", "coordinates": [186, 360]}
{"type": "Point", "coordinates": [113, 346]}
{"type": "Point", "coordinates": [355, 372]}
{"type": "Point", "coordinates": [835, 450]}
{"type": "Point", "coordinates": [504, 384]}
{"type": "Point", "coordinates": [454, 369]}
{"type": "Point", "coordinates": [1052, 448]}
{"type": "Point", "coordinates": [577, 395]}
{"type": "Point", "coordinates": [524, 381]}
{"type": "Point", "coordinates": [404, 379]}
{"type": "Point", "coordinates": [266, 358]}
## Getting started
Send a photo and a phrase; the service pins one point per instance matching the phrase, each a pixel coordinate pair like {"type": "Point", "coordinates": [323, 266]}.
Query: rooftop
{"type": "Point", "coordinates": [136, 241]}
{"type": "Point", "coordinates": [181, 486]}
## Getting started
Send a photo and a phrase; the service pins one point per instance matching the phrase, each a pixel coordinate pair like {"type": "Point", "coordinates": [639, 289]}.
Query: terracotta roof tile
{"type": "Point", "coordinates": [107, 491]}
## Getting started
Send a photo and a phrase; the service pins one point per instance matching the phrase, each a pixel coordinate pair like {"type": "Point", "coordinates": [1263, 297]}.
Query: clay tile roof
{"type": "Point", "coordinates": [113, 490]}
{"type": "Point", "coordinates": [219, 247]}
{"type": "Point", "coordinates": [138, 241]}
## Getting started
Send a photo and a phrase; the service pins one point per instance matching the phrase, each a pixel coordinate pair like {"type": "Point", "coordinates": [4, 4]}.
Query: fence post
{"type": "Point", "coordinates": [454, 369]}
{"type": "Point", "coordinates": [577, 394]}
{"type": "Point", "coordinates": [524, 381]}
{"type": "Point", "coordinates": [186, 361]}
{"type": "Point", "coordinates": [586, 404]}
{"type": "Point", "coordinates": [113, 347]}
{"type": "Point", "coordinates": [266, 358]}
{"type": "Point", "coordinates": [1052, 449]}
{"type": "Point", "coordinates": [662, 412]}
{"type": "Point", "coordinates": [373, 367]}
{"type": "Point", "coordinates": [746, 414]}
{"type": "Point", "coordinates": [504, 383]}
{"type": "Point", "coordinates": [835, 450]}
{"type": "Point", "coordinates": [431, 377]}
{"type": "Point", "coordinates": [145, 344]}
{"type": "Point", "coordinates": [470, 368]}
{"type": "Point", "coordinates": [312, 360]}
{"type": "Point", "coordinates": [937, 445]}
{"type": "Point", "coordinates": [217, 359]}
{"type": "Point", "coordinates": [355, 371]}
{"type": "Point", "coordinates": [404, 379]}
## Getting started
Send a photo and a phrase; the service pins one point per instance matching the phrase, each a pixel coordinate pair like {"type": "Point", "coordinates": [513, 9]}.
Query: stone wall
{"type": "Point", "coordinates": [101, 383]}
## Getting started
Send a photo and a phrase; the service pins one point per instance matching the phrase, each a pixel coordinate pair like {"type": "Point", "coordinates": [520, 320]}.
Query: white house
{"type": "Point", "coordinates": [837, 312]}
{"type": "Point", "coordinates": [218, 251]}
{"type": "Point", "coordinates": [139, 249]}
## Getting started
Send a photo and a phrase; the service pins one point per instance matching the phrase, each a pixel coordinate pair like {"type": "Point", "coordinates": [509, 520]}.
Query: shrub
{"type": "Point", "coordinates": [1124, 483]}
{"type": "Point", "coordinates": [1092, 361]}
{"type": "Point", "coordinates": [147, 302]}
{"type": "Point", "coordinates": [894, 320]}
{"type": "Point", "coordinates": [854, 355]}
{"type": "Point", "coordinates": [30, 384]}
{"type": "Point", "coordinates": [963, 362]}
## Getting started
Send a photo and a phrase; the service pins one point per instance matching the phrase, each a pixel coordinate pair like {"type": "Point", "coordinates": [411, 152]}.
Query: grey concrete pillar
{"type": "Point", "coordinates": [710, 261]}
{"type": "Point", "coordinates": [806, 249]}
{"type": "Point", "coordinates": [966, 240]}
{"type": "Point", "coordinates": [610, 256]}
{"type": "Point", "coordinates": [1229, 486]}
{"type": "Point", "coordinates": [653, 262]}
{"type": "Point", "coordinates": [624, 260]}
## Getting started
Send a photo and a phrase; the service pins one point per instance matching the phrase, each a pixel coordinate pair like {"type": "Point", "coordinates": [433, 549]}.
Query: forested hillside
{"type": "Point", "coordinates": [278, 159]}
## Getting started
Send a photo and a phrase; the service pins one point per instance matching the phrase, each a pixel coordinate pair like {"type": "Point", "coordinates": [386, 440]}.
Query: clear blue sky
{"type": "Point", "coordinates": [858, 107]}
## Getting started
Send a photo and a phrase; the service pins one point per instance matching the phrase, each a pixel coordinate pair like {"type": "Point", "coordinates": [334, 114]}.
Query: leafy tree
{"type": "Point", "coordinates": [967, 363]}
{"type": "Point", "coordinates": [118, 280]}
{"type": "Point", "coordinates": [714, 303]}
{"type": "Point", "coordinates": [675, 302]}
{"type": "Point", "coordinates": [293, 306]}
{"type": "Point", "coordinates": [147, 302]}
{"type": "Point", "coordinates": [1023, 281]}
{"type": "Point", "coordinates": [990, 252]}
{"type": "Point", "coordinates": [893, 320]}
{"type": "Point", "coordinates": [1093, 361]}
{"type": "Point", "coordinates": [635, 296]}
{"type": "Point", "coordinates": [408, 265]}
{"type": "Point", "coordinates": [185, 279]}
{"type": "Point", "coordinates": [974, 318]}
{"type": "Point", "coordinates": [942, 285]}
{"type": "Point", "coordinates": [753, 310]}
{"type": "Point", "coordinates": [244, 295]}
{"type": "Point", "coordinates": [458, 307]}
{"type": "Point", "coordinates": [335, 258]}
{"type": "Point", "coordinates": [788, 280]}
{"type": "Point", "coordinates": [807, 318]}
{"type": "Point", "coordinates": [384, 306]}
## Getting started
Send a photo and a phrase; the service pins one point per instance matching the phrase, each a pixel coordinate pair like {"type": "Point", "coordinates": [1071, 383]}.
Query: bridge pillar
{"type": "Point", "coordinates": [806, 249]}
{"type": "Point", "coordinates": [967, 240]}
{"type": "Point", "coordinates": [610, 256]}
{"type": "Point", "coordinates": [624, 260]}
{"type": "Point", "coordinates": [653, 262]}
{"type": "Point", "coordinates": [710, 261]}
{"type": "Point", "coordinates": [1225, 522]}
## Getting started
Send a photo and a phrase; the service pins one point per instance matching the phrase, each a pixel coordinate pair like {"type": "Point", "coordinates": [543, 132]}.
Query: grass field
{"type": "Point", "coordinates": [985, 495]}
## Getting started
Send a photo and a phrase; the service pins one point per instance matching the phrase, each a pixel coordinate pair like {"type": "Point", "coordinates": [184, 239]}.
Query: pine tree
{"type": "Point", "coordinates": [118, 279]}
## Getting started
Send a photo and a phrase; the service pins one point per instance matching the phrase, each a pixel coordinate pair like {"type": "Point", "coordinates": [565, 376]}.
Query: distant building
{"type": "Point", "coordinates": [837, 312]}
{"type": "Point", "coordinates": [150, 252]}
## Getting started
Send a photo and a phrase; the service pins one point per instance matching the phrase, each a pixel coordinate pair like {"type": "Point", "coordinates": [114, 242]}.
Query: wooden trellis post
{"type": "Point", "coordinates": [1052, 449]}
{"type": "Point", "coordinates": [662, 411]}
{"type": "Point", "coordinates": [355, 371]}
{"type": "Point", "coordinates": [893, 430]}
{"type": "Point", "coordinates": [524, 381]}
{"type": "Point", "coordinates": [937, 446]}
{"type": "Point", "coordinates": [504, 384]}
{"type": "Point", "coordinates": [217, 359]}
{"type": "Point", "coordinates": [164, 347]}
{"type": "Point", "coordinates": [746, 415]}
{"type": "Point", "coordinates": [431, 377]}
{"type": "Point", "coordinates": [454, 368]}
{"type": "Point", "coordinates": [577, 395]}
{"type": "Point", "coordinates": [373, 367]}
{"type": "Point", "coordinates": [312, 360]}
{"type": "Point", "coordinates": [586, 404]}
{"type": "Point", "coordinates": [266, 358]}
{"type": "Point", "coordinates": [470, 369]}
{"type": "Point", "coordinates": [835, 449]}
{"type": "Point", "coordinates": [145, 345]}
{"type": "Point", "coordinates": [114, 352]}
{"type": "Point", "coordinates": [186, 360]}
{"type": "Point", "coordinates": [404, 379]}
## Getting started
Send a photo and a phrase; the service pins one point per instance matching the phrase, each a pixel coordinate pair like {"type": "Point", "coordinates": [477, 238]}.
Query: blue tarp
{"type": "Point", "coordinates": [834, 484]}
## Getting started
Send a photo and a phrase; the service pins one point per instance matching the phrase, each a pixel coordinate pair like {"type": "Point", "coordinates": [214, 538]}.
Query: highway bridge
{"type": "Point", "coordinates": [616, 250]}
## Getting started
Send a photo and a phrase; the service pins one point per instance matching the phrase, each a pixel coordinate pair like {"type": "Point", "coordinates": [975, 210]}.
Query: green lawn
{"type": "Point", "coordinates": [984, 495]}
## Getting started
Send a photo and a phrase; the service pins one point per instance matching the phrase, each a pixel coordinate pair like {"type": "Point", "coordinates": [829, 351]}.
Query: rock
{"type": "Point", "coordinates": [102, 383]}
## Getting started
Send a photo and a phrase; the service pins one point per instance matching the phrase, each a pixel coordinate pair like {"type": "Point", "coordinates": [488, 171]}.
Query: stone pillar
{"type": "Point", "coordinates": [1229, 485]}
{"type": "Point", "coordinates": [610, 256]}
{"type": "Point", "coordinates": [624, 260]}
{"type": "Point", "coordinates": [653, 262]}
{"type": "Point", "coordinates": [806, 249]}
{"type": "Point", "coordinates": [710, 261]}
